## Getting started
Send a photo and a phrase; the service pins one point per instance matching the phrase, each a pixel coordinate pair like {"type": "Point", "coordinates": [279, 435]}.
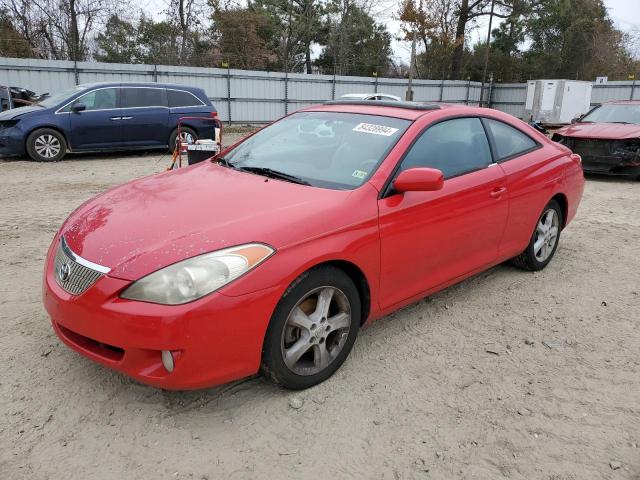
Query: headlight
{"type": "Point", "coordinates": [196, 277]}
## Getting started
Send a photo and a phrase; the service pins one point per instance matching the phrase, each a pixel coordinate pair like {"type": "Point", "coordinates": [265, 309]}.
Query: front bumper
{"type": "Point", "coordinates": [214, 340]}
{"type": "Point", "coordinates": [11, 142]}
{"type": "Point", "coordinates": [613, 157]}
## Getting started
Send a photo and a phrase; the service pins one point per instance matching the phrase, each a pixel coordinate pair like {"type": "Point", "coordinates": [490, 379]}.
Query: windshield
{"type": "Point", "coordinates": [59, 97]}
{"type": "Point", "coordinates": [614, 114]}
{"type": "Point", "coordinates": [323, 149]}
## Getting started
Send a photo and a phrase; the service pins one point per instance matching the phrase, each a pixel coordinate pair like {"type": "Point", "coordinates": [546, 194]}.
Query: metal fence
{"type": "Point", "coordinates": [244, 96]}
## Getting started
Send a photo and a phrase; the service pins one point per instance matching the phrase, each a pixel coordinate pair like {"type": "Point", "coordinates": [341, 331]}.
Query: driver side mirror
{"type": "Point", "coordinates": [419, 180]}
{"type": "Point", "coordinates": [78, 107]}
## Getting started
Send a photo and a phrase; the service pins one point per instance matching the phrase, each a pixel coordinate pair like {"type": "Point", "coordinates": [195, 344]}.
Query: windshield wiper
{"type": "Point", "coordinates": [224, 162]}
{"type": "Point", "coordinates": [268, 172]}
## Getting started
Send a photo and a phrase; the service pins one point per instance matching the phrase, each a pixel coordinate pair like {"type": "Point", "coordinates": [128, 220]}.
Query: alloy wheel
{"type": "Point", "coordinates": [47, 146]}
{"type": "Point", "coordinates": [546, 235]}
{"type": "Point", "coordinates": [316, 330]}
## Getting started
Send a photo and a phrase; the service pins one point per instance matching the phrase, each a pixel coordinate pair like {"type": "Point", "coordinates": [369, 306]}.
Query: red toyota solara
{"type": "Point", "coordinates": [271, 256]}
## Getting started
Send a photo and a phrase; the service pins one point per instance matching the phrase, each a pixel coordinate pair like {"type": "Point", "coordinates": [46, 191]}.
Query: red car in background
{"type": "Point", "coordinates": [607, 138]}
{"type": "Point", "coordinates": [272, 256]}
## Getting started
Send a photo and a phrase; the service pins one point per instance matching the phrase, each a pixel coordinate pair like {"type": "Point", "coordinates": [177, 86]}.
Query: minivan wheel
{"type": "Point", "coordinates": [312, 329]}
{"type": "Point", "coordinates": [46, 145]}
{"type": "Point", "coordinates": [544, 241]}
{"type": "Point", "coordinates": [187, 135]}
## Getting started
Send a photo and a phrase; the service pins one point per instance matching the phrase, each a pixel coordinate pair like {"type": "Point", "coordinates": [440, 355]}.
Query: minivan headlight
{"type": "Point", "coordinates": [196, 277]}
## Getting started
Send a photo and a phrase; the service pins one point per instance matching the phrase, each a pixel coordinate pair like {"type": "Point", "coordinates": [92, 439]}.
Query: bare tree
{"type": "Point", "coordinates": [467, 11]}
{"type": "Point", "coordinates": [60, 29]}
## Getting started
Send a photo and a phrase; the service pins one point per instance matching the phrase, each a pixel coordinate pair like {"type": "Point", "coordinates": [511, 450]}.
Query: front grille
{"type": "Point", "coordinates": [77, 278]}
{"type": "Point", "coordinates": [593, 148]}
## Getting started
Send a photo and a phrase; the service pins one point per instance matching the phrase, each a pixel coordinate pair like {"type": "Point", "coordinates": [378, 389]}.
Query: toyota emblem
{"type": "Point", "coordinates": [64, 271]}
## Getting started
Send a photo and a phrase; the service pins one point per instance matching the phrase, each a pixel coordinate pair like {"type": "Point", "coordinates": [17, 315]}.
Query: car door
{"type": "Point", "coordinates": [144, 116]}
{"type": "Point", "coordinates": [432, 238]}
{"type": "Point", "coordinates": [98, 125]}
{"type": "Point", "coordinates": [532, 176]}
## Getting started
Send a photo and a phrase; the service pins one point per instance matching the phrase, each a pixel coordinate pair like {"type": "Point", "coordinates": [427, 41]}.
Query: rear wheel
{"type": "Point", "coordinates": [312, 329]}
{"type": "Point", "coordinates": [187, 135]}
{"type": "Point", "coordinates": [544, 241]}
{"type": "Point", "coordinates": [46, 145]}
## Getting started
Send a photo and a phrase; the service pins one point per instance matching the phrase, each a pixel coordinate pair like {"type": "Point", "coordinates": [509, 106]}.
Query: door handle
{"type": "Point", "coordinates": [497, 192]}
{"type": "Point", "coordinates": [126, 118]}
{"type": "Point", "coordinates": [115, 118]}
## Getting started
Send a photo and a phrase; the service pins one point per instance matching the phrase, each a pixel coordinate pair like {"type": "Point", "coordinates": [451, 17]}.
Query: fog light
{"type": "Point", "coordinates": [167, 360]}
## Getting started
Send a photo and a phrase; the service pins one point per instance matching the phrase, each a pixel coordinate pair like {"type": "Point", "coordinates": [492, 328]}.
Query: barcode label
{"type": "Point", "coordinates": [375, 129]}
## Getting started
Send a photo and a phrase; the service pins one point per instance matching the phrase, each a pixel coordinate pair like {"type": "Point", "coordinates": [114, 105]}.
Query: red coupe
{"type": "Point", "coordinates": [607, 138]}
{"type": "Point", "coordinates": [272, 256]}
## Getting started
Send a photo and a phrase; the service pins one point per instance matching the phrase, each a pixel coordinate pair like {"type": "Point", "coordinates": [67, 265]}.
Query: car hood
{"type": "Point", "coordinates": [144, 225]}
{"type": "Point", "coordinates": [18, 112]}
{"type": "Point", "coordinates": [606, 131]}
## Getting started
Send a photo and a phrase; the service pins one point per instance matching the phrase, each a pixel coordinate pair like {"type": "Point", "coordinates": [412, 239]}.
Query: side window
{"type": "Point", "coordinates": [142, 97]}
{"type": "Point", "coordinates": [509, 141]}
{"type": "Point", "coordinates": [102, 99]}
{"type": "Point", "coordinates": [179, 98]}
{"type": "Point", "coordinates": [454, 146]}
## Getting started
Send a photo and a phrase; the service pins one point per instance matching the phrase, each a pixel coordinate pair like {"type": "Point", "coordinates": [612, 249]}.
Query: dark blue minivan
{"type": "Point", "coordinates": [106, 116]}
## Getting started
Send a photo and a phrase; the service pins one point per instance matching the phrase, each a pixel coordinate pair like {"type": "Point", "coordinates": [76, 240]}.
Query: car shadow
{"type": "Point", "coordinates": [96, 156]}
{"type": "Point", "coordinates": [604, 178]}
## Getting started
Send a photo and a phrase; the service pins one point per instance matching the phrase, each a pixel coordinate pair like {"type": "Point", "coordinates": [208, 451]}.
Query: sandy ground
{"type": "Point", "coordinates": [446, 388]}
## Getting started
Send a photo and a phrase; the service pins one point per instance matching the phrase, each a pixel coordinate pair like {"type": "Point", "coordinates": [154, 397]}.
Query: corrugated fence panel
{"type": "Point", "coordinates": [38, 75]}
{"type": "Point", "coordinates": [509, 98]}
{"type": "Point", "coordinates": [255, 97]}
{"type": "Point", "coordinates": [612, 91]}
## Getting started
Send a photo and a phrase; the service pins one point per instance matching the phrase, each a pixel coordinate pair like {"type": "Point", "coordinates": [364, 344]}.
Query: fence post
{"type": "Point", "coordinates": [466, 99]}
{"type": "Point", "coordinates": [633, 88]}
{"type": "Point", "coordinates": [76, 75]}
{"type": "Point", "coordinates": [375, 85]}
{"type": "Point", "coordinates": [228, 94]}
{"type": "Point", "coordinates": [333, 85]}
{"type": "Point", "coordinates": [490, 94]}
{"type": "Point", "coordinates": [286, 93]}
{"type": "Point", "coordinates": [442, 88]}
{"type": "Point", "coordinates": [155, 73]}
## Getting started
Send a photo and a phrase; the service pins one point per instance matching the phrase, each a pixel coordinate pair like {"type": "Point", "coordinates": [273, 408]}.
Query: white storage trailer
{"type": "Point", "coordinates": [556, 101]}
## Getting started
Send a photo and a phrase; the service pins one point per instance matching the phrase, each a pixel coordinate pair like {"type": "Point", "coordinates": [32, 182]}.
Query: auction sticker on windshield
{"type": "Point", "coordinates": [375, 129]}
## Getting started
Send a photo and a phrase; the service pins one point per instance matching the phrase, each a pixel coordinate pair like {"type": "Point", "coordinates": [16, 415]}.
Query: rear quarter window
{"type": "Point", "coordinates": [181, 98]}
{"type": "Point", "coordinates": [509, 141]}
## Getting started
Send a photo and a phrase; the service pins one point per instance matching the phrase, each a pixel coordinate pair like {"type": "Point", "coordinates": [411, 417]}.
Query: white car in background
{"type": "Point", "coordinates": [370, 96]}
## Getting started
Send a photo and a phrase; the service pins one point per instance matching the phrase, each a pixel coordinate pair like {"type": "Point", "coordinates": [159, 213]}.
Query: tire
{"type": "Point", "coordinates": [186, 132]}
{"type": "Point", "coordinates": [305, 342]}
{"type": "Point", "coordinates": [46, 145]}
{"type": "Point", "coordinates": [536, 257]}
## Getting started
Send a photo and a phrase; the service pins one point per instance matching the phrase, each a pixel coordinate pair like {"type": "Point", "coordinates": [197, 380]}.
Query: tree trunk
{"type": "Point", "coordinates": [75, 36]}
{"type": "Point", "coordinates": [308, 58]}
{"type": "Point", "coordinates": [458, 51]}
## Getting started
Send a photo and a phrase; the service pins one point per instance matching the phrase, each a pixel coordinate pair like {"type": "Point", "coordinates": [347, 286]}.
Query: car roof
{"type": "Point", "coordinates": [404, 110]}
{"type": "Point", "coordinates": [621, 102]}
{"type": "Point", "coordinates": [139, 84]}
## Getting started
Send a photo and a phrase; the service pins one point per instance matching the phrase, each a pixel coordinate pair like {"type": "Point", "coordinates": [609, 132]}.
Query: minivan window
{"type": "Point", "coordinates": [454, 146]}
{"type": "Point", "coordinates": [101, 99]}
{"type": "Point", "coordinates": [180, 98]}
{"type": "Point", "coordinates": [141, 97]}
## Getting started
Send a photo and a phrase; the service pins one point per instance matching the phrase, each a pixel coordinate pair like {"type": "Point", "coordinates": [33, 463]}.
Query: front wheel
{"type": "Point", "coordinates": [46, 145]}
{"type": "Point", "coordinates": [544, 241]}
{"type": "Point", "coordinates": [312, 329]}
